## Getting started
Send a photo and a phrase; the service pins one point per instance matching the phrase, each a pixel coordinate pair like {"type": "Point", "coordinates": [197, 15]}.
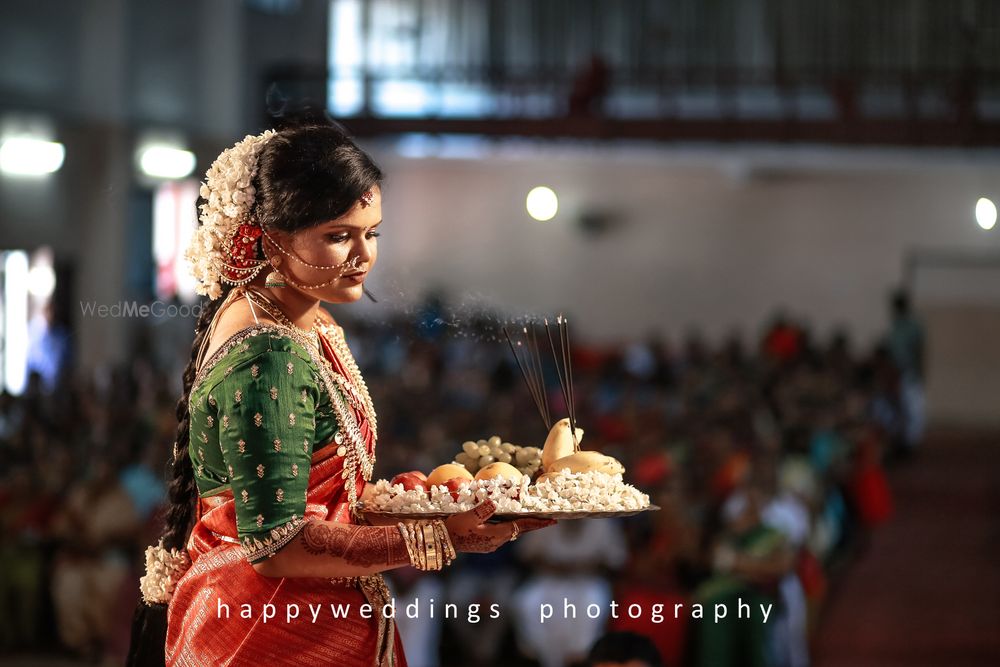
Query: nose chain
{"type": "Point", "coordinates": [352, 264]}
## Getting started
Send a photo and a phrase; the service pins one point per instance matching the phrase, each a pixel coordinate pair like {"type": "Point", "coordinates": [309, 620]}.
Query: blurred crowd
{"type": "Point", "coordinates": [766, 457]}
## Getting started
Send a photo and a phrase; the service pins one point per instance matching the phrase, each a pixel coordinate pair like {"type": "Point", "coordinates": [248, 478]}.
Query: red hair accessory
{"type": "Point", "coordinates": [243, 252]}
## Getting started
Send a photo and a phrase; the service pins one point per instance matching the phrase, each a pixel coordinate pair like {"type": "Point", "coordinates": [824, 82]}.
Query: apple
{"type": "Point", "coordinates": [456, 484]}
{"type": "Point", "coordinates": [411, 480]}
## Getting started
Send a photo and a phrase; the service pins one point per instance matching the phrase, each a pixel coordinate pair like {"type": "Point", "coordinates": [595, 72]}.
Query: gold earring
{"type": "Point", "coordinates": [274, 278]}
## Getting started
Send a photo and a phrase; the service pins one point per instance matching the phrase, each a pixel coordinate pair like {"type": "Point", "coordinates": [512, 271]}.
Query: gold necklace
{"type": "Point", "coordinates": [354, 388]}
{"type": "Point", "coordinates": [268, 305]}
{"type": "Point", "coordinates": [359, 387]}
{"type": "Point", "coordinates": [350, 442]}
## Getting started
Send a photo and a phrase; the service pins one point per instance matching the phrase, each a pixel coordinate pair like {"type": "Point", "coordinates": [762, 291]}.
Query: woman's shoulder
{"type": "Point", "coordinates": [263, 344]}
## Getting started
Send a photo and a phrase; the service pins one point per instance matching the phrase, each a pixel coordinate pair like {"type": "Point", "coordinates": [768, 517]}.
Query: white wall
{"type": "Point", "coordinates": [962, 364]}
{"type": "Point", "coordinates": [716, 238]}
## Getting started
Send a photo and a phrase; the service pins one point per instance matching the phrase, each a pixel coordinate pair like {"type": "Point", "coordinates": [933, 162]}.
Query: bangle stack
{"type": "Point", "coordinates": [428, 544]}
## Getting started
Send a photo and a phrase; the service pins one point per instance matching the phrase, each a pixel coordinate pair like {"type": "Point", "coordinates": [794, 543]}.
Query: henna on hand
{"type": "Point", "coordinates": [476, 543]}
{"type": "Point", "coordinates": [484, 510]}
{"type": "Point", "coordinates": [356, 545]}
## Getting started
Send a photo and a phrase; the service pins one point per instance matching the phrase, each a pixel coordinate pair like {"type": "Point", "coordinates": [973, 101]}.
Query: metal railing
{"type": "Point", "coordinates": [904, 71]}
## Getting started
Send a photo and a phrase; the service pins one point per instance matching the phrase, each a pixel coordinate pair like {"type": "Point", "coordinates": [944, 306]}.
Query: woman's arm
{"type": "Point", "coordinates": [333, 549]}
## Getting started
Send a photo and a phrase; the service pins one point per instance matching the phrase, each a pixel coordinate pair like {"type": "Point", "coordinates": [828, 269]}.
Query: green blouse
{"type": "Point", "coordinates": [258, 409]}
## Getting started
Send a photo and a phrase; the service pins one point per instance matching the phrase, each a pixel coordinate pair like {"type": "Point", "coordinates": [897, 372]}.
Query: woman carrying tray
{"type": "Point", "coordinates": [277, 431]}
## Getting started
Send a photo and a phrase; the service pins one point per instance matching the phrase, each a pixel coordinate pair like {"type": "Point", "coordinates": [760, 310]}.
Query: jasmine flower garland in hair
{"type": "Point", "coordinates": [229, 196]}
{"type": "Point", "coordinates": [163, 570]}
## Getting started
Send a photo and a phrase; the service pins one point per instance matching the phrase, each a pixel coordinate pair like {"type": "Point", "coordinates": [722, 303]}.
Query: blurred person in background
{"type": "Point", "coordinates": [421, 635]}
{"type": "Point", "coordinates": [24, 515]}
{"type": "Point", "coordinates": [483, 580]}
{"type": "Point", "coordinates": [94, 524]}
{"type": "Point", "coordinates": [662, 544]}
{"type": "Point", "coordinates": [785, 513]}
{"type": "Point", "coordinates": [906, 343]}
{"type": "Point", "coordinates": [571, 566]}
{"type": "Point", "coordinates": [748, 560]}
{"type": "Point", "coordinates": [624, 649]}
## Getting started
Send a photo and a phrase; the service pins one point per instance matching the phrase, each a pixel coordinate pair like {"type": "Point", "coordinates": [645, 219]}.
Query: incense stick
{"type": "Point", "coordinates": [532, 389]}
{"type": "Point", "coordinates": [533, 371]}
{"type": "Point", "coordinates": [559, 373]}
{"type": "Point", "coordinates": [540, 373]}
{"type": "Point", "coordinates": [569, 372]}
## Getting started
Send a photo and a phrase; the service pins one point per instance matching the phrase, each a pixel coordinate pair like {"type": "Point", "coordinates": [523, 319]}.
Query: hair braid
{"type": "Point", "coordinates": [182, 490]}
{"type": "Point", "coordinates": [149, 623]}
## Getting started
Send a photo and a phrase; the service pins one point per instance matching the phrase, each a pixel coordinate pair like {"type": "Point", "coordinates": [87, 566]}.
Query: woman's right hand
{"type": "Point", "coordinates": [470, 533]}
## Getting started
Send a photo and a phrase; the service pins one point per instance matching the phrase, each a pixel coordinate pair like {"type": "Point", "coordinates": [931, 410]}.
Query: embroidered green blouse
{"type": "Point", "coordinates": [258, 408]}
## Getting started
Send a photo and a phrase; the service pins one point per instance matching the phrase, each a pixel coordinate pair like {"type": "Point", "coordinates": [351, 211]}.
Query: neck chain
{"type": "Point", "coordinates": [268, 305]}
{"type": "Point", "coordinates": [354, 388]}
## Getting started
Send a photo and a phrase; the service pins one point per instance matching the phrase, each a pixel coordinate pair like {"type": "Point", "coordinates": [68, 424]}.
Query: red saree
{"type": "Point", "coordinates": [208, 622]}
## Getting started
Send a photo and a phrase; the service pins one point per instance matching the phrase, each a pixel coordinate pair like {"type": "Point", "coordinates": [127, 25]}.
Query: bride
{"type": "Point", "coordinates": [277, 432]}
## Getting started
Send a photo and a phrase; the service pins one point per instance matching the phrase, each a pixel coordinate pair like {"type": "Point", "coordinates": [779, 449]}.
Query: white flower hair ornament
{"type": "Point", "coordinates": [223, 248]}
{"type": "Point", "coordinates": [164, 568]}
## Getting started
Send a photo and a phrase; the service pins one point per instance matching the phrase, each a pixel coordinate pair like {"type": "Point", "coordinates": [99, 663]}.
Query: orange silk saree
{"type": "Point", "coordinates": [209, 622]}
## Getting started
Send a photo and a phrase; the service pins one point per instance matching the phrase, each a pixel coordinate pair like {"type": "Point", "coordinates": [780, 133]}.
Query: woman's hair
{"type": "Point", "coordinates": [307, 174]}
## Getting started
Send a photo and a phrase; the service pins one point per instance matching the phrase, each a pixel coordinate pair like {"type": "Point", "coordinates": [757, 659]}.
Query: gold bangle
{"type": "Point", "coordinates": [415, 559]}
{"type": "Point", "coordinates": [444, 539]}
{"type": "Point", "coordinates": [430, 546]}
{"type": "Point", "coordinates": [435, 540]}
{"type": "Point", "coordinates": [421, 548]}
{"type": "Point", "coordinates": [404, 530]}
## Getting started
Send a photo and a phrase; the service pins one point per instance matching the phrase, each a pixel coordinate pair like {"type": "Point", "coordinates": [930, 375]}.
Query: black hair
{"type": "Point", "coordinates": [308, 173]}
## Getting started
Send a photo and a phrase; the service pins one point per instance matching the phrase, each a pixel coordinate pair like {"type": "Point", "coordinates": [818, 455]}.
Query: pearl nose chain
{"type": "Point", "coordinates": [350, 264]}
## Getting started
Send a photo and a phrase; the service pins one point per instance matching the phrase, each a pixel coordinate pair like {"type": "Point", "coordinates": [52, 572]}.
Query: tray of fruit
{"type": "Point", "coordinates": [557, 481]}
{"type": "Point", "coordinates": [507, 516]}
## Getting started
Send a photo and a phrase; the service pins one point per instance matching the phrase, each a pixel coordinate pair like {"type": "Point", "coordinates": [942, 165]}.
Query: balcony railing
{"type": "Point", "coordinates": [907, 72]}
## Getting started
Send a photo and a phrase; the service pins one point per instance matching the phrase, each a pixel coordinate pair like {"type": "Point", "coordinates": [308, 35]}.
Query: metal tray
{"type": "Point", "coordinates": [508, 516]}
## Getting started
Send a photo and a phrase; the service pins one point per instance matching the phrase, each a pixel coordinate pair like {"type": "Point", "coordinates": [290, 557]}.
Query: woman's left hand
{"type": "Point", "coordinates": [470, 533]}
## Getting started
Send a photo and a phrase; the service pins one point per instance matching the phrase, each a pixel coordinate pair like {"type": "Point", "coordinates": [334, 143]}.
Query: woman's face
{"type": "Point", "coordinates": [353, 237]}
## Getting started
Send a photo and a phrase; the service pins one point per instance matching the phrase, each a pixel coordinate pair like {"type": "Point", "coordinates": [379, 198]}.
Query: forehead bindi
{"type": "Point", "coordinates": [358, 218]}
